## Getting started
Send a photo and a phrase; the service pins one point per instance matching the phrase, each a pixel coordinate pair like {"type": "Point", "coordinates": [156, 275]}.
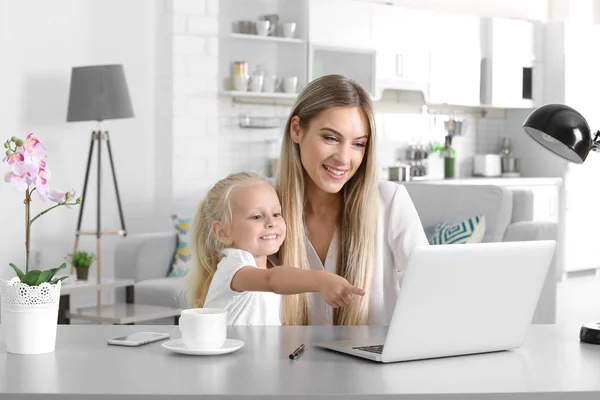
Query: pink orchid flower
{"type": "Point", "coordinates": [32, 145]}
{"type": "Point", "coordinates": [22, 175]}
{"type": "Point", "coordinates": [18, 183]}
{"type": "Point", "coordinates": [33, 151]}
{"type": "Point", "coordinates": [28, 166]}
{"type": "Point", "coordinates": [13, 158]}
{"type": "Point", "coordinates": [58, 196]}
{"type": "Point", "coordinates": [41, 183]}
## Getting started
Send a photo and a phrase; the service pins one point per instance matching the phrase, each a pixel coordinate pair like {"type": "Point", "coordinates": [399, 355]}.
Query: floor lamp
{"type": "Point", "coordinates": [565, 132]}
{"type": "Point", "coordinates": [98, 93]}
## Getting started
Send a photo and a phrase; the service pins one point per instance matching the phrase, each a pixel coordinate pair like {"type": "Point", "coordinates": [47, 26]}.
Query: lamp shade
{"type": "Point", "coordinates": [98, 93]}
{"type": "Point", "coordinates": [560, 129]}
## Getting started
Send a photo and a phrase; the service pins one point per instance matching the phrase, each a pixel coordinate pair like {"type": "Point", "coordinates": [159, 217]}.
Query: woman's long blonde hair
{"type": "Point", "coordinates": [358, 219]}
{"type": "Point", "coordinates": [206, 247]}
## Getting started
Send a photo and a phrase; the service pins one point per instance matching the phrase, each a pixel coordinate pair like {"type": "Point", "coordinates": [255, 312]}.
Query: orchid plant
{"type": "Point", "coordinates": [29, 173]}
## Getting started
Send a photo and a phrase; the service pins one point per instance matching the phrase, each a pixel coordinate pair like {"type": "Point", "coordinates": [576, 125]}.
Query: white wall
{"type": "Point", "coordinates": [196, 153]}
{"type": "Point", "coordinates": [40, 41]}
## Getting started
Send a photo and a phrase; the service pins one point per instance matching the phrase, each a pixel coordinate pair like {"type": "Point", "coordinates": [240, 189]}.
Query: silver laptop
{"type": "Point", "coordinates": [461, 299]}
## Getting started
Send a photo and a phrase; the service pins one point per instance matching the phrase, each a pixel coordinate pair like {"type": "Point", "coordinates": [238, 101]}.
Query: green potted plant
{"type": "Point", "coordinates": [81, 260]}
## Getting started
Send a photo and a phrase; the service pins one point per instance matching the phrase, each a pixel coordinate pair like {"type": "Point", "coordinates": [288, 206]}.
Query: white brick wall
{"type": "Point", "coordinates": [490, 133]}
{"type": "Point", "coordinates": [164, 108]}
{"type": "Point", "coordinates": [195, 98]}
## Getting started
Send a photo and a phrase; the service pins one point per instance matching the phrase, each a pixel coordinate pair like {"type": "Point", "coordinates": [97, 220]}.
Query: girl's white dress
{"type": "Point", "coordinates": [243, 308]}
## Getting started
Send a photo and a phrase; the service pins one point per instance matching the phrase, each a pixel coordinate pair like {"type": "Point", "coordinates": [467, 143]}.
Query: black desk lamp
{"type": "Point", "coordinates": [565, 132]}
{"type": "Point", "coordinates": [98, 93]}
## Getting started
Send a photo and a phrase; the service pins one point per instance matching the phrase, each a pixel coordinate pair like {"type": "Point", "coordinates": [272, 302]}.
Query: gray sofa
{"type": "Point", "coordinates": [508, 213]}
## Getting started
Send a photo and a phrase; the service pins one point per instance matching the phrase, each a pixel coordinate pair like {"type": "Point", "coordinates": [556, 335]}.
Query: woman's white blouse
{"type": "Point", "coordinates": [399, 230]}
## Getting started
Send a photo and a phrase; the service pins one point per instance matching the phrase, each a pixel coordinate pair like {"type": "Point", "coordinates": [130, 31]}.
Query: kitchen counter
{"type": "Point", "coordinates": [521, 181]}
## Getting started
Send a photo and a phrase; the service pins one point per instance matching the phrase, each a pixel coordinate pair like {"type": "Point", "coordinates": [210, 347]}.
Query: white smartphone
{"type": "Point", "coordinates": [138, 338]}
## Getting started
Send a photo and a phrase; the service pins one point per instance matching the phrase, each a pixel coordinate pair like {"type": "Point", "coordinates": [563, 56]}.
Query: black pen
{"type": "Point", "coordinates": [297, 352]}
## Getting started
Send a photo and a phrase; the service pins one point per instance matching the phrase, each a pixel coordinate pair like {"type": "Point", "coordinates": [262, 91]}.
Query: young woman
{"type": "Point", "coordinates": [237, 226]}
{"type": "Point", "coordinates": [339, 217]}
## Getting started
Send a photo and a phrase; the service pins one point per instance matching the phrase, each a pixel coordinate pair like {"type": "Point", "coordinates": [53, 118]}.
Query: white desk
{"type": "Point", "coordinates": [553, 364]}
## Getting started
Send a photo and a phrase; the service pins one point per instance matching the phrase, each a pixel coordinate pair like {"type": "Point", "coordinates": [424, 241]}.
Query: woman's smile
{"type": "Point", "coordinates": [335, 173]}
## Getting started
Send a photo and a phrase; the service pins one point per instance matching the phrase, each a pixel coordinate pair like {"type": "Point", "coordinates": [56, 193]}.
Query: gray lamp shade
{"type": "Point", "coordinates": [99, 93]}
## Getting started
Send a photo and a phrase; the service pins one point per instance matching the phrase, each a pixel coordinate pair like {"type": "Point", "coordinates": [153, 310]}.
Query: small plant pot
{"type": "Point", "coordinates": [82, 273]}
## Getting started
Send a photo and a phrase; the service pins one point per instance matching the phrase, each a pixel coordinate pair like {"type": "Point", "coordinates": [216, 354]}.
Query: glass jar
{"type": "Point", "coordinates": [240, 68]}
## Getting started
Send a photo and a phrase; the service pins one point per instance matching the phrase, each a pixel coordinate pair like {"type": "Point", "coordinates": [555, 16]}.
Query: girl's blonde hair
{"type": "Point", "coordinates": [206, 247]}
{"type": "Point", "coordinates": [357, 223]}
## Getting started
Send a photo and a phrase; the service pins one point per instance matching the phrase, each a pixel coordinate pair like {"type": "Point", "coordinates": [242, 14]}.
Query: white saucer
{"type": "Point", "coordinates": [229, 346]}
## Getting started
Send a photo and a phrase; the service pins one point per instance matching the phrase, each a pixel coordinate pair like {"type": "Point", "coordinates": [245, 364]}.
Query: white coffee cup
{"type": "Point", "coordinates": [290, 84]}
{"type": "Point", "coordinates": [289, 29]}
{"type": "Point", "coordinates": [240, 82]}
{"type": "Point", "coordinates": [203, 328]}
{"type": "Point", "coordinates": [264, 28]}
{"type": "Point", "coordinates": [271, 83]}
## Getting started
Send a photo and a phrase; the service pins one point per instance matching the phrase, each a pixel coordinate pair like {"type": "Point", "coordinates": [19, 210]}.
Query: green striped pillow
{"type": "Point", "coordinates": [471, 230]}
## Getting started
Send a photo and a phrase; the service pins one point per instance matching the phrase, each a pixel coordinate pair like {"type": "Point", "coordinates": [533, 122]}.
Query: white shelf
{"type": "Point", "coordinates": [124, 313]}
{"type": "Point", "coordinates": [260, 95]}
{"type": "Point", "coordinates": [271, 39]}
{"type": "Point", "coordinates": [74, 285]}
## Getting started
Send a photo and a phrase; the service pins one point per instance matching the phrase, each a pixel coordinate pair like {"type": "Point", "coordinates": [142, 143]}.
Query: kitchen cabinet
{"type": "Point", "coordinates": [512, 67]}
{"type": "Point", "coordinates": [454, 59]}
{"type": "Point", "coordinates": [455, 65]}
{"type": "Point", "coordinates": [341, 23]}
{"type": "Point", "coordinates": [402, 40]}
{"type": "Point", "coordinates": [358, 65]}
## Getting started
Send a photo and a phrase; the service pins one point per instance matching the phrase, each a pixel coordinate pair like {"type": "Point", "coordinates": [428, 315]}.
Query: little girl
{"type": "Point", "coordinates": [237, 226]}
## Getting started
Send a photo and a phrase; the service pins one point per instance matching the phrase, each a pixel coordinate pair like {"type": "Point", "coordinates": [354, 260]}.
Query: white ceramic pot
{"type": "Point", "coordinates": [29, 316]}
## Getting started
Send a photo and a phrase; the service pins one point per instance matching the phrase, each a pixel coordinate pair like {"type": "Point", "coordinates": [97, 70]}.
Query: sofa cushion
{"type": "Point", "coordinates": [437, 202]}
{"type": "Point", "coordinates": [182, 259]}
{"type": "Point", "coordinates": [470, 230]}
{"type": "Point", "coordinates": [522, 205]}
{"type": "Point", "coordinates": [167, 292]}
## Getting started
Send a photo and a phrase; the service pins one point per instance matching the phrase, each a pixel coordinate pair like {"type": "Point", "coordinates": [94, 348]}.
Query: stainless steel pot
{"type": "Point", "coordinates": [510, 164]}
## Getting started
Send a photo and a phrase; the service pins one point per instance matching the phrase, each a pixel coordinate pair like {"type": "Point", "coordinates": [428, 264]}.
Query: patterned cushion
{"type": "Point", "coordinates": [182, 259]}
{"type": "Point", "coordinates": [471, 230]}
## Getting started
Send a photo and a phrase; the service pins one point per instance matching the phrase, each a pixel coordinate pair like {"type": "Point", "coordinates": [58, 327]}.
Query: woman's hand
{"type": "Point", "coordinates": [337, 291]}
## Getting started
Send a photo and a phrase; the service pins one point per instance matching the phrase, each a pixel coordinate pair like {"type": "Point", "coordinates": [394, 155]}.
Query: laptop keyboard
{"type": "Point", "coordinates": [378, 348]}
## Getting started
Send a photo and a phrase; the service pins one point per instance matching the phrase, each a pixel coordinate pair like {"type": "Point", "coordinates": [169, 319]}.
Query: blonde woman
{"type": "Point", "coordinates": [339, 217]}
{"type": "Point", "coordinates": [237, 226]}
